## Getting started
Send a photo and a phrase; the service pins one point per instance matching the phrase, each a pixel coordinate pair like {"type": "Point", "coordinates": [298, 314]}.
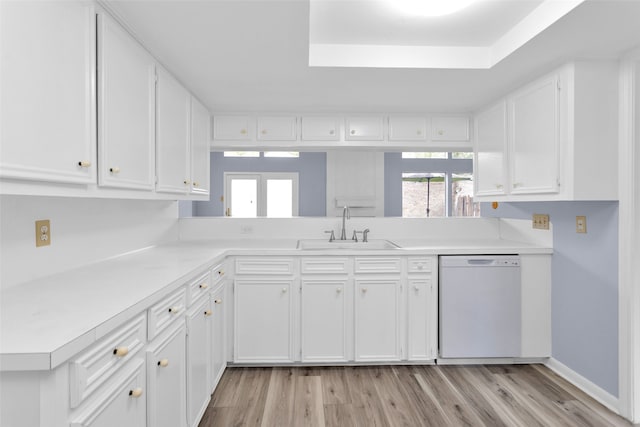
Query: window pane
{"type": "Point", "coordinates": [244, 194]}
{"type": "Point", "coordinates": [279, 198]}
{"type": "Point", "coordinates": [241, 154]}
{"type": "Point", "coordinates": [424, 155]}
{"type": "Point", "coordinates": [462, 155]}
{"type": "Point", "coordinates": [462, 196]}
{"type": "Point", "coordinates": [423, 195]}
{"type": "Point", "coordinates": [281, 154]}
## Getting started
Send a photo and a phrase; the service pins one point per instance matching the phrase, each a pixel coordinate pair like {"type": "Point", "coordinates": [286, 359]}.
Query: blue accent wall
{"type": "Point", "coordinates": [312, 176]}
{"type": "Point", "coordinates": [584, 296]}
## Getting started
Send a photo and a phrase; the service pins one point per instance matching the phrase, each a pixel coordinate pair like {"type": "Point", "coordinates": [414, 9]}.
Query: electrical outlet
{"type": "Point", "coordinates": [43, 233]}
{"type": "Point", "coordinates": [246, 229]}
{"type": "Point", "coordinates": [581, 224]}
{"type": "Point", "coordinates": [541, 221]}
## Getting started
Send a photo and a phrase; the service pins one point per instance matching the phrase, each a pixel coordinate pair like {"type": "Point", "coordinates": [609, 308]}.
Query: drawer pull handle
{"type": "Point", "coordinates": [420, 266]}
{"type": "Point", "coordinates": [218, 301]}
{"type": "Point", "coordinates": [136, 392]}
{"type": "Point", "coordinates": [203, 286]}
{"type": "Point", "coordinates": [121, 351]}
{"type": "Point", "coordinates": [114, 170]}
{"type": "Point", "coordinates": [208, 313]}
{"type": "Point", "coordinates": [174, 310]}
{"type": "Point", "coordinates": [163, 363]}
{"type": "Point", "coordinates": [84, 164]}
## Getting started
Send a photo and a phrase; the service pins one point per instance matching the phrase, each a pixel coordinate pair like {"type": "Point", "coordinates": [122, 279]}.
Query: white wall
{"type": "Point", "coordinates": [82, 231]}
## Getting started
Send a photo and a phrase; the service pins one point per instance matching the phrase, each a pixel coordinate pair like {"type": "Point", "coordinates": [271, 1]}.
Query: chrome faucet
{"type": "Point", "coordinates": [346, 214]}
{"type": "Point", "coordinates": [365, 238]}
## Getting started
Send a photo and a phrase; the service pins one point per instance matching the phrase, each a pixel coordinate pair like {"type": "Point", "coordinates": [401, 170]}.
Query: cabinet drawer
{"type": "Point", "coordinates": [199, 287]}
{"type": "Point", "coordinates": [163, 313]}
{"type": "Point", "coordinates": [324, 265]}
{"type": "Point", "coordinates": [420, 265]}
{"type": "Point", "coordinates": [122, 402]}
{"type": "Point", "coordinates": [377, 265]}
{"type": "Point", "coordinates": [99, 362]}
{"type": "Point", "coordinates": [282, 266]}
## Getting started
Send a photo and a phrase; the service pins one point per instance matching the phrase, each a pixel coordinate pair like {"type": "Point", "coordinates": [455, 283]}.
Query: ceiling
{"type": "Point", "coordinates": [241, 55]}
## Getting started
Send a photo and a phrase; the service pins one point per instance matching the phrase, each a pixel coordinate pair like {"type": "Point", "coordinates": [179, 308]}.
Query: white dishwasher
{"type": "Point", "coordinates": [480, 313]}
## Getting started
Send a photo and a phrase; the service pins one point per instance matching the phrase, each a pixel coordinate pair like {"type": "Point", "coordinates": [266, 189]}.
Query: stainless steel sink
{"type": "Point", "coordinates": [320, 244]}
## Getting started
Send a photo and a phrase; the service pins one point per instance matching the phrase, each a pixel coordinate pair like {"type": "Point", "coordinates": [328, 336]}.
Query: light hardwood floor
{"type": "Point", "coordinates": [488, 395]}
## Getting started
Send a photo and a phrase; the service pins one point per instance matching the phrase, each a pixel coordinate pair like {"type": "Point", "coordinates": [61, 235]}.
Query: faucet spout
{"type": "Point", "coordinates": [346, 214]}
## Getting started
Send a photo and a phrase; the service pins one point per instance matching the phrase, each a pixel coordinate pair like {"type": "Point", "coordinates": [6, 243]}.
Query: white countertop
{"type": "Point", "coordinates": [46, 321]}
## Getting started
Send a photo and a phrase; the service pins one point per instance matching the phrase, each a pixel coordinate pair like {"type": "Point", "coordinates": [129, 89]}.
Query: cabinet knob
{"type": "Point", "coordinates": [499, 186]}
{"type": "Point", "coordinates": [284, 290]}
{"type": "Point", "coordinates": [174, 310]}
{"type": "Point", "coordinates": [339, 290]}
{"type": "Point", "coordinates": [220, 272]}
{"type": "Point", "coordinates": [364, 290]}
{"type": "Point", "coordinates": [208, 313]}
{"type": "Point", "coordinates": [420, 266]}
{"type": "Point", "coordinates": [517, 184]}
{"type": "Point", "coordinates": [84, 164]}
{"type": "Point", "coordinates": [186, 182]}
{"type": "Point", "coordinates": [332, 132]}
{"type": "Point", "coordinates": [163, 363]}
{"type": "Point", "coordinates": [136, 392]}
{"type": "Point", "coordinates": [121, 351]}
{"type": "Point", "coordinates": [243, 131]}
{"type": "Point", "coordinates": [353, 131]}
{"type": "Point", "coordinates": [114, 170]}
{"type": "Point", "coordinates": [195, 184]}
{"type": "Point", "coordinates": [440, 132]}
{"type": "Point", "coordinates": [264, 131]}
{"type": "Point", "coordinates": [203, 286]}
{"type": "Point", "coordinates": [418, 132]}
{"type": "Point", "coordinates": [417, 288]}
{"type": "Point", "coordinates": [219, 301]}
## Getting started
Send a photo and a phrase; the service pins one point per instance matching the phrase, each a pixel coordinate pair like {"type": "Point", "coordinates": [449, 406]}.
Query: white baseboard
{"type": "Point", "coordinates": [602, 396]}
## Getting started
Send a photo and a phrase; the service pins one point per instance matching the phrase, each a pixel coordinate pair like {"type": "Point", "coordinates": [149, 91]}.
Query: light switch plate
{"type": "Point", "coordinates": [581, 224]}
{"type": "Point", "coordinates": [43, 233]}
{"type": "Point", "coordinates": [541, 221]}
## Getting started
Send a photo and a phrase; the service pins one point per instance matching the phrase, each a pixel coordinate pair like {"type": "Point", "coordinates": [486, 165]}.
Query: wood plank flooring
{"type": "Point", "coordinates": [487, 395]}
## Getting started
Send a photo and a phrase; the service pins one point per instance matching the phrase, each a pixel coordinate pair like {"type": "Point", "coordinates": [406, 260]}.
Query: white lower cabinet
{"type": "Point", "coordinates": [198, 359]}
{"type": "Point", "coordinates": [218, 334]}
{"type": "Point", "coordinates": [324, 319]}
{"type": "Point", "coordinates": [166, 379]}
{"type": "Point", "coordinates": [263, 320]}
{"type": "Point", "coordinates": [377, 319]}
{"type": "Point", "coordinates": [121, 402]}
{"type": "Point", "coordinates": [419, 325]}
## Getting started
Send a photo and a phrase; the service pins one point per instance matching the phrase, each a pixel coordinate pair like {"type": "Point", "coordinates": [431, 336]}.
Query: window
{"type": "Point", "coordinates": [250, 195]}
{"type": "Point", "coordinates": [288, 154]}
{"type": "Point", "coordinates": [424, 155]}
{"type": "Point", "coordinates": [423, 195]}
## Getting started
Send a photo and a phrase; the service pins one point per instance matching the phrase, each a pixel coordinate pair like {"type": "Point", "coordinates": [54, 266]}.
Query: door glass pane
{"type": "Point", "coordinates": [279, 198]}
{"type": "Point", "coordinates": [462, 196]}
{"type": "Point", "coordinates": [244, 198]}
{"type": "Point", "coordinates": [423, 195]}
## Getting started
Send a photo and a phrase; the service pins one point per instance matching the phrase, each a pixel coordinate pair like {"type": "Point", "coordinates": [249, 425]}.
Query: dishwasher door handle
{"type": "Point", "coordinates": [481, 261]}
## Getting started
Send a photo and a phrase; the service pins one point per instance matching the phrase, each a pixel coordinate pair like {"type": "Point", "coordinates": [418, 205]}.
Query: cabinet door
{"type": "Point", "coordinates": [324, 320]}
{"type": "Point", "coordinates": [420, 329]}
{"type": "Point", "coordinates": [232, 128]}
{"type": "Point", "coordinates": [450, 128]}
{"type": "Point", "coordinates": [218, 336]}
{"type": "Point", "coordinates": [407, 128]}
{"type": "Point", "coordinates": [534, 114]}
{"type": "Point", "coordinates": [320, 128]}
{"type": "Point", "coordinates": [121, 402]}
{"type": "Point", "coordinates": [377, 319]}
{"type": "Point", "coordinates": [200, 133]}
{"type": "Point", "coordinates": [277, 128]}
{"type": "Point", "coordinates": [364, 129]}
{"type": "Point", "coordinates": [126, 107]}
{"type": "Point", "coordinates": [166, 379]}
{"type": "Point", "coordinates": [198, 359]}
{"type": "Point", "coordinates": [263, 320]}
{"type": "Point", "coordinates": [491, 147]}
{"type": "Point", "coordinates": [173, 105]}
{"type": "Point", "coordinates": [47, 68]}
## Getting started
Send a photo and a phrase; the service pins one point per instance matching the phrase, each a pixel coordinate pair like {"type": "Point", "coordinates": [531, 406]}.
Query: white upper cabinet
{"type": "Point", "coordinates": [534, 131]}
{"type": "Point", "coordinates": [200, 134]}
{"type": "Point", "coordinates": [407, 128]}
{"type": "Point", "coordinates": [233, 128]}
{"type": "Point", "coordinates": [276, 128]}
{"type": "Point", "coordinates": [491, 147]}
{"type": "Point", "coordinates": [561, 138]}
{"type": "Point", "coordinates": [362, 128]}
{"type": "Point", "coordinates": [173, 105]}
{"type": "Point", "coordinates": [126, 107]}
{"type": "Point", "coordinates": [452, 128]}
{"type": "Point", "coordinates": [47, 68]}
{"type": "Point", "coordinates": [320, 128]}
